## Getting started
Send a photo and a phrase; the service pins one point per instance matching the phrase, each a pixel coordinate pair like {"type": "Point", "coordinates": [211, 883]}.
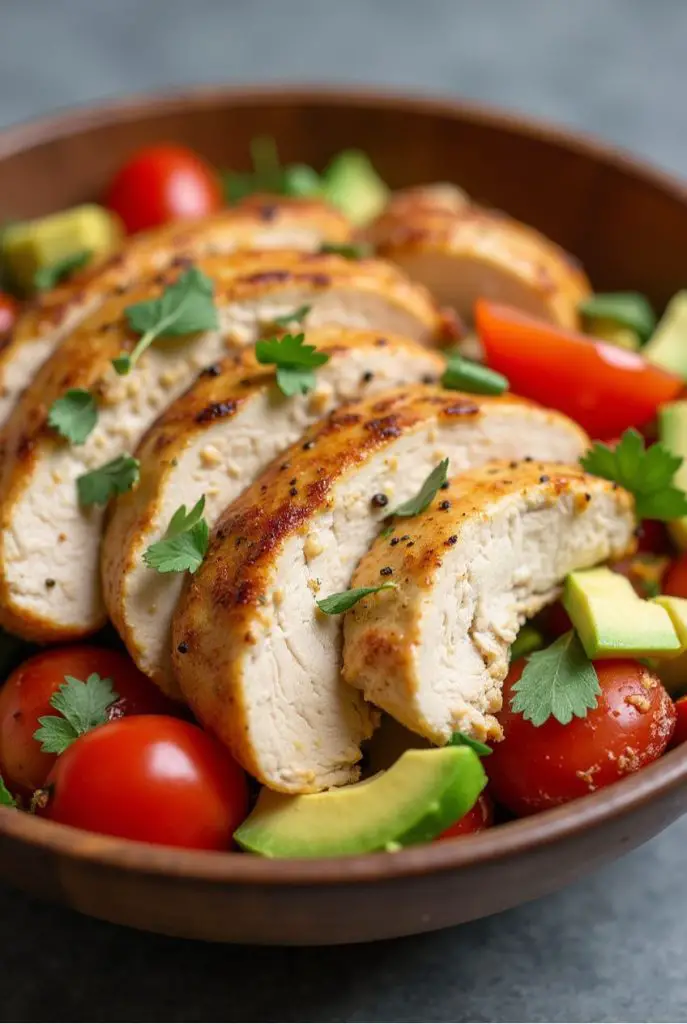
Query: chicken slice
{"type": "Point", "coordinates": [44, 534]}
{"type": "Point", "coordinates": [255, 658]}
{"type": "Point", "coordinates": [488, 553]}
{"type": "Point", "coordinates": [263, 222]}
{"type": "Point", "coordinates": [463, 252]}
{"type": "Point", "coordinates": [213, 441]}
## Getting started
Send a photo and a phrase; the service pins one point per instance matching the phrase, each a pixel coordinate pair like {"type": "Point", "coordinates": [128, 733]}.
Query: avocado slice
{"type": "Point", "coordinates": [33, 245]}
{"type": "Point", "coordinates": [667, 346]}
{"type": "Point", "coordinates": [351, 183]}
{"type": "Point", "coordinates": [672, 430]}
{"type": "Point", "coordinates": [528, 640]}
{"type": "Point", "coordinates": [612, 621]}
{"type": "Point", "coordinates": [673, 671]}
{"type": "Point", "coordinates": [423, 793]}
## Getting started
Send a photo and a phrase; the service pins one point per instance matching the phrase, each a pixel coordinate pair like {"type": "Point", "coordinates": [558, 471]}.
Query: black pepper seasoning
{"type": "Point", "coordinates": [368, 376]}
{"type": "Point", "coordinates": [182, 648]}
{"type": "Point", "coordinates": [445, 486]}
{"type": "Point", "coordinates": [379, 500]}
{"type": "Point", "coordinates": [50, 584]}
{"type": "Point", "coordinates": [386, 571]}
{"type": "Point", "coordinates": [445, 505]}
{"type": "Point", "coordinates": [308, 445]}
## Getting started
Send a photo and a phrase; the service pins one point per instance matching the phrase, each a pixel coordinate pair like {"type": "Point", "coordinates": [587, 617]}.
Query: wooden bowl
{"type": "Point", "coordinates": [627, 224]}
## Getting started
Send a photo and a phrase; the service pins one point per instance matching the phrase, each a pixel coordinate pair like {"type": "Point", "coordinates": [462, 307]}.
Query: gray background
{"type": "Point", "coordinates": [610, 948]}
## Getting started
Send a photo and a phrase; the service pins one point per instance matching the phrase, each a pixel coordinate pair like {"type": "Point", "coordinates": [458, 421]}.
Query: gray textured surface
{"type": "Point", "coordinates": [611, 947]}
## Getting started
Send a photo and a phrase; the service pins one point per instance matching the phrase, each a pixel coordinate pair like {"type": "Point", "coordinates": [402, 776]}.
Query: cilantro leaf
{"type": "Point", "coordinates": [349, 250]}
{"type": "Point", "coordinates": [6, 798]}
{"type": "Point", "coordinates": [184, 307]}
{"type": "Point", "coordinates": [297, 317]}
{"type": "Point", "coordinates": [628, 309]}
{"type": "Point", "coordinates": [185, 544]}
{"type": "Point", "coordinates": [647, 474]}
{"type": "Point", "coordinates": [425, 496]}
{"type": "Point", "coordinates": [559, 681]}
{"type": "Point", "coordinates": [268, 175]}
{"type": "Point", "coordinates": [115, 477]}
{"type": "Point", "coordinates": [336, 604]}
{"type": "Point", "coordinates": [459, 739]}
{"type": "Point", "coordinates": [465, 375]}
{"type": "Point", "coordinates": [74, 415]}
{"type": "Point", "coordinates": [295, 362]}
{"type": "Point", "coordinates": [82, 706]}
{"type": "Point", "coordinates": [51, 275]}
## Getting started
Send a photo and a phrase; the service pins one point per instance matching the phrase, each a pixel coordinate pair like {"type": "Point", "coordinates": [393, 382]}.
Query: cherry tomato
{"type": "Point", "coordinates": [675, 578]}
{"type": "Point", "coordinates": [480, 817]}
{"type": "Point", "coordinates": [25, 698]}
{"type": "Point", "coordinates": [680, 734]}
{"type": "Point", "coordinates": [604, 388]}
{"type": "Point", "coordinates": [152, 778]}
{"type": "Point", "coordinates": [652, 538]}
{"type": "Point", "coordinates": [9, 310]}
{"type": "Point", "coordinates": [536, 768]}
{"type": "Point", "coordinates": [163, 183]}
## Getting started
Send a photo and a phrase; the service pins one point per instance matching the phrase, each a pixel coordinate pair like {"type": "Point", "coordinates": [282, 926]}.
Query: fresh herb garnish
{"type": "Point", "coordinates": [74, 415]}
{"type": "Point", "coordinates": [459, 739]}
{"type": "Point", "coordinates": [101, 484]}
{"type": "Point", "coordinates": [269, 176]}
{"type": "Point", "coordinates": [465, 375]}
{"type": "Point", "coordinates": [184, 307]}
{"type": "Point", "coordinates": [629, 309]}
{"type": "Point", "coordinates": [82, 706]}
{"type": "Point", "coordinates": [424, 497]}
{"type": "Point", "coordinates": [6, 798]}
{"type": "Point", "coordinates": [349, 250]}
{"type": "Point", "coordinates": [185, 543]}
{"type": "Point", "coordinates": [295, 362]}
{"type": "Point", "coordinates": [559, 681]}
{"type": "Point", "coordinates": [647, 473]}
{"type": "Point", "coordinates": [297, 317]}
{"type": "Point", "coordinates": [336, 604]}
{"type": "Point", "coordinates": [55, 273]}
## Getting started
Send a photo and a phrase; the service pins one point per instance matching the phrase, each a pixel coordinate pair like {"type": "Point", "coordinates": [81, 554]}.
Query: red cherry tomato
{"type": "Point", "coordinates": [604, 388]}
{"type": "Point", "coordinates": [536, 768]}
{"type": "Point", "coordinates": [653, 538]}
{"type": "Point", "coordinates": [675, 578]}
{"type": "Point", "coordinates": [9, 310]}
{"type": "Point", "coordinates": [152, 778]}
{"type": "Point", "coordinates": [480, 817]}
{"type": "Point", "coordinates": [161, 184]}
{"type": "Point", "coordinates": [680, 734]}
{"type": "Point", "coordinates": [25, 698]}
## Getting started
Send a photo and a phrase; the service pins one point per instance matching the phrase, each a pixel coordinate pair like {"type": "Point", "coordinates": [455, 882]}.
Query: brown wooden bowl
{"type": "Point", "coordinates": [628, 225]}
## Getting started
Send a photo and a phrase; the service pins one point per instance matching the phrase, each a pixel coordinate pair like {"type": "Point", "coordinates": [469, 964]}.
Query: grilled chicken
{"type": "Point", "coordinates": [213, 441]}
{"type": "Point", "coordinates": [489, 552]}
{"type": "Point", "coordinates": [257, 661]}
{"type": "Point", "coordinates": [49, 579]}
{"type": "Point", "coordinates": [262, 222]}
{"type": "Point", "coordinates": [463, 252]}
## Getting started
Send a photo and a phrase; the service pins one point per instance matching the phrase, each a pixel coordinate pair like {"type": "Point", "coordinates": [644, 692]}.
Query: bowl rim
{"type": "Point", "coordinates": [492, 846]}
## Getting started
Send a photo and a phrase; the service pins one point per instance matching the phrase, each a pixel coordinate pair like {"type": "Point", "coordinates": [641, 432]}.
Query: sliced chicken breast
{"type": "Point", "coordinates": [49, 579]}
{"type": "Point", "coordinates": [213, 441]}
{"type": "Point", "coordinates": [256, 659]}
{"type": "Point", "coordinates": [488, 553]}
{"type": "Point", "coordinates": [468, 252]}
{"type": "Point", "coordinates": [260, 222]}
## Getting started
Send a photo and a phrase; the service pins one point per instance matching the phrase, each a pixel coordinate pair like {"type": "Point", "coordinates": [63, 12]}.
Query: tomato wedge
{"type": "Point", "coordinates": [604, 388]}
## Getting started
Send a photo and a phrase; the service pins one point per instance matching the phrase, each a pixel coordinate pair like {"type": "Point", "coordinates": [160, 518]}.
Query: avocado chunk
{"type": "Point", "coordinates": [34, 245]}
{"type": "Point", "coordinates": [423, 793]}
{"type": "Point", "coordinates": [672, 430]}
{"type": "Point", "coordinates": [667, 346]}
{"type": "Point", "coordinates": [351, 183]}
{"type": "Point", "coordinates": [673, 671]}
{"type": "Point", "coordinates": [528, 640]}
{"type": "Point", "coordinates": [614, 333]}
{"type": "Point", "coordinates": [612, 621]}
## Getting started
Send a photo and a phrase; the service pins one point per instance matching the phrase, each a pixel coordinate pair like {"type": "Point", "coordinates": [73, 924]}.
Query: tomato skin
{"type": "Point", "coordinates": [151, 778]}
{"type": "Point", "coordinates": [9, 311]}
{"type": "Point", "coordinates": [533, 769]}
{"type": "Point", "coordinates": [476, 820]}
{"type": "Point", "coordinates": [604, 388]}
{"type": "Point", "coordinates": [675, 578]}
{"type": "Point", "coordinates": [163, 183]}
{"type": "Point", "coordinates": [25, 698]}
{"type": "Point", "coordinates": [680, 734]}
